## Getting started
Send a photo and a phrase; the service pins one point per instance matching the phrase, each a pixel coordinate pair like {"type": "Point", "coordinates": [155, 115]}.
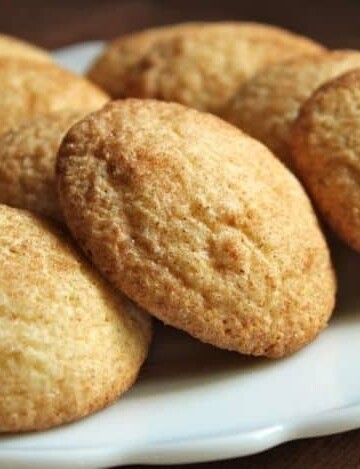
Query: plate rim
{"type": "Point", "coordinates": [202, 449]}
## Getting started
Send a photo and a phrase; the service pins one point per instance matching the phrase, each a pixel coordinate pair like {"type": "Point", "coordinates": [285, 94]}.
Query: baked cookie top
{"type": "Point", "coordinates": [31, 88]}
{"type": "Point", "coordinates": [200, 65]}
{"type": "Point", "coordinates": [326, 151]}
{"type": "Point", "coordinates": [267, 105]}
{"type": "Point", "coordinates": [27, 162]}
{"type": "Point", "coordinates": [199, 224]}
{"type": "Point", "coordinates": [69, 345]}
{"type": "Point", "coordinates": [14, 47]}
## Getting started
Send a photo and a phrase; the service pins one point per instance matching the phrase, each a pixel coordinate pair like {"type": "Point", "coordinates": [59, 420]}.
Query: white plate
{"type": "Point", "coordinates": [195, 403]}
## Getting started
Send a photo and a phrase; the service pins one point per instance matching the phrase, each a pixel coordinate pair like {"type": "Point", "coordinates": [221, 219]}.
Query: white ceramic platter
{"type": "Point", "coordinates": [195, 403]}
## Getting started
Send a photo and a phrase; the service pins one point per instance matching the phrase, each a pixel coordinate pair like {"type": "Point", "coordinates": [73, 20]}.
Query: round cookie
{"type": "Point", "coordinates": [31, 88]}
{"type": "Point", "coordinates": [27, 162]}
{"type": "Point", "coordinates": [111, 69]}
{"type": "Point", "coordinates": [199, 224]}
{"type": "Point", "coordinates": [69, 344]}
{"type": "Point", "coordinates": [326, 152]}
{"type": "Point", "coordinates": [199, 65]}
{"type": "Point", "coordinates": [268, 104]}
{"type": "Point", "coordinates": [14, 47]}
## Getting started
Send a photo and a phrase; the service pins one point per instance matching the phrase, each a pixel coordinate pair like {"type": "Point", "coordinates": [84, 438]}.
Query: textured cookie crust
{"type": "Point", "coordinates": [198, 223]}
{"type": "Point", "coordinates": [69, 345]}
{"type": "Point", "coordinates": [14, 47]}
{"type": "Point", "coordinates": [326, 151]}
{"type": "Point", "coordinates": [31, 88]}
{"type": "Point", "coordinates": [27, 162]}
{"type": "Point", "coordinates": [200, 65]}
{"type": "Point", "coordinates": [268, 104]}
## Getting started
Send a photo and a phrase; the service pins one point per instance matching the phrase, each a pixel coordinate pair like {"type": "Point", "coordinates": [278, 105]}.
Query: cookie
{"type": "Point", "coordinates": [14, 47]}
{"type": "Point", "coordinates": [27, 162]}
{"type": "Point", "coordinates": [69, 344]}
{"type": "Point", "coordinates": [111, 69]}
{"type": "Point", "coordinates": [199, 224]}
{"type": "Point", "coordinates": [267, 105]}
{"type": "Point", "coordinates": [31, 88]}
{"type": "Point", "coordinates": [326, 152]}
{"type": "Point", "coordinates": [199, 65]}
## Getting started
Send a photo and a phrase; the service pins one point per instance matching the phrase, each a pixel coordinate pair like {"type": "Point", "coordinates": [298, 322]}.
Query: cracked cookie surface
{"type": "Point", "coordinates": [200, 65]}
{"type": "Point", "coordinates": [326, 149]}
{"type": "Point", "coordinates": [27, 162]}
{"type": "Point", "coordinates": [199, 224]}
{"type": "Point", "coordinates": [31, 88]}
{"type": "Point", "coordinates": [69, 344]}
{"type": "Point", "coordinates": [268, 104]}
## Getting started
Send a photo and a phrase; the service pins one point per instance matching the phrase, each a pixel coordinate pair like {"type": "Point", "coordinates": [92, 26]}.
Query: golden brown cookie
{"type": "Point", "coordinates": [27, 162]}
{"type": "Point", "coordinates": [199, 224]}
{"type": "Point", "coordinates": [112, 68]}
{"type": "Point", "coordinates": [14, 47]}
{"type": "Point", "coordinates": [200, 65]}
{"type": "Point", "coordinates": [31, 88]}
{"type": "Point", "coordinates": [268, 104]}
{"type": "Point", "coordinates": [69, 344]}
{"type": "Point", "coordinates": [326, 152]}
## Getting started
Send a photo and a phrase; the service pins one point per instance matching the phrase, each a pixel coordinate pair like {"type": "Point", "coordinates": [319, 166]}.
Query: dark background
{"type": "Point", "coordinates": [335, 23]}
{"type": "Point", "coordinates": [59, 22]}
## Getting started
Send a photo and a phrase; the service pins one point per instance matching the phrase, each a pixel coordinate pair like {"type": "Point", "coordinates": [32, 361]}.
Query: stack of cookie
{"type": "Point", "coordinates": [69, 343]}
{"type": "Point", "coordinates": [191, 218]}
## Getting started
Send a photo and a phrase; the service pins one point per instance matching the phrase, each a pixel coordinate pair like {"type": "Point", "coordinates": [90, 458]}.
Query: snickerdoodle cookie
{"type": "Point", "coordinates": [200, 65]}
{"type": "Point", "coordinates": [27, 162]}
{"type": "Point", "coordinates": [14, 47]}
{"type": "Point", "coordinates": [31, 88]}
{"type": "Point", "coordinates": [326, 152]}
{"type": "Point", "coordinates": [69, 344]}
{"type": "Point", "coordinates": [267, 105]}
{"type": "Point", "coordinates": [198, 223]}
